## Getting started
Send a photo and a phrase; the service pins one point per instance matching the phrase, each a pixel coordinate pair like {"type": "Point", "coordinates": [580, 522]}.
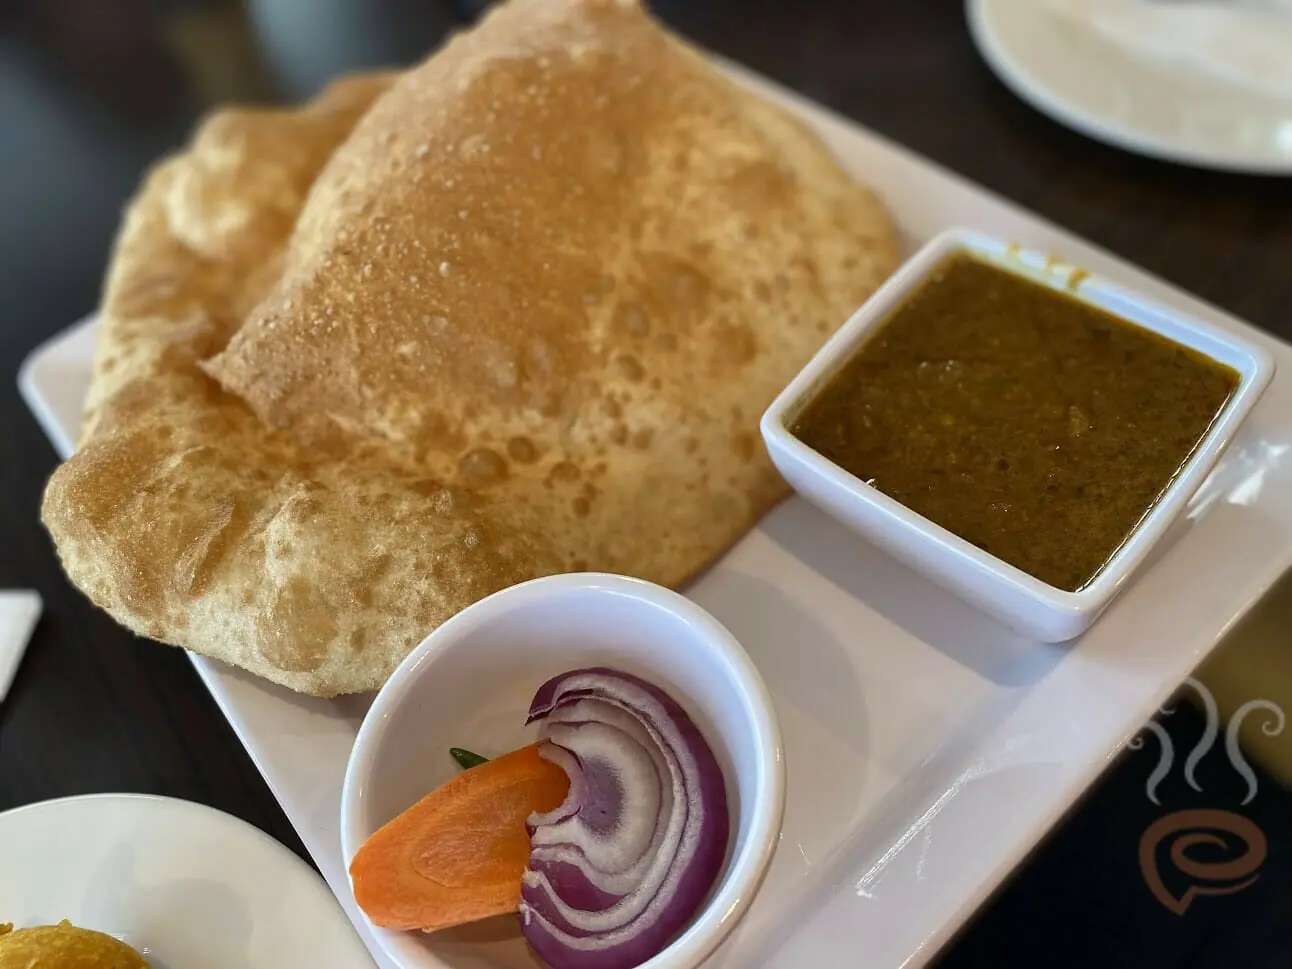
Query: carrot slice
{"type": "Point", "coordinates": [458, 854]}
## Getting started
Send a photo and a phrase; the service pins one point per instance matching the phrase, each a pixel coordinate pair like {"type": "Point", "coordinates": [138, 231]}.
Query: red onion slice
{"type": "Point", "coordinates": [569, 763]}
{"type": "Point", "coordinates": [614, 823]}
{"type": "Point", "coordinates": [620, 882]}
{"type": "Point", "coordinates": [618, 869]}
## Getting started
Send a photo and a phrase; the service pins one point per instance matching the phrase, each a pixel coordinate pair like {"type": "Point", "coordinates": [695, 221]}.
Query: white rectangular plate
{"type": "Point", "coordinates": [928, 748]}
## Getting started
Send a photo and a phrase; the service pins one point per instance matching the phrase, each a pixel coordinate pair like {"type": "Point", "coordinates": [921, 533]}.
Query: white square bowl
{"type": "Point", "coordinates": [1026, 604]}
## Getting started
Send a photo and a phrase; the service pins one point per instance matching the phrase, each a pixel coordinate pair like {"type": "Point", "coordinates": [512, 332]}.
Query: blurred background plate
{"type": "Point", "coordinates": [1114, 92]}
{"type": "Point", "coordinates": [189, 886]}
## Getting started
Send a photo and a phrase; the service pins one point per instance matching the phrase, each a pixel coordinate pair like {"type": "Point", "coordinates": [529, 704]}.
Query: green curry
{"type": "Point", "coordinates": [1035, 426]}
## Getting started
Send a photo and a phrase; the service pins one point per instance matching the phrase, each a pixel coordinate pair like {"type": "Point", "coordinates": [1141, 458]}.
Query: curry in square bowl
{"type": "Point", "coordinates": [1017, 430]}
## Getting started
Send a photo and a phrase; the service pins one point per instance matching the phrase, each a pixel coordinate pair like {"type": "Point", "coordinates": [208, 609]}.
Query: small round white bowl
{"type": "Point", "coordinates": [469, 684]}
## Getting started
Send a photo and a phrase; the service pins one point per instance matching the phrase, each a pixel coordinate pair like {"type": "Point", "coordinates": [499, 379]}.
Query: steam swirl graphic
{"type": "Point", "coordinates": [1164, 762]}
{"type": "Point", "coordinates": [1209, 733]}
{"type": "Point", "coordinates": [1271, 728]}
{"type": "Point", "coordinates": [1184, 830]}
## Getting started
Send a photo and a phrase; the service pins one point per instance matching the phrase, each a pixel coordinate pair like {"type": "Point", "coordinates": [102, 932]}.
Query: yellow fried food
{"type": "Point", "coordinates": [64, 946]}
{"type": "Point", "coordinates": [514, 312]}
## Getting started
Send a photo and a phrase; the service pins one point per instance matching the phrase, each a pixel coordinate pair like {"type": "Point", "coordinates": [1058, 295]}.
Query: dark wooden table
{"type": "Point", "coordinates": [94, 709]}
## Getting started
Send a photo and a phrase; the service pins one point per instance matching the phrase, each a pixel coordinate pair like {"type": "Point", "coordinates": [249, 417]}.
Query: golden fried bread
{"type": "Point", "coordinates": [524, 320]}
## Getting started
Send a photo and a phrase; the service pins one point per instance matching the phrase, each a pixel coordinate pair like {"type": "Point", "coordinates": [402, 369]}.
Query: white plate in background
{"type": "Point", "coordinates": [189, 886]}
{"type": "Point", "coordinates": [1191, 108]}
{"type": "Point", "coordinates": [928, 750]}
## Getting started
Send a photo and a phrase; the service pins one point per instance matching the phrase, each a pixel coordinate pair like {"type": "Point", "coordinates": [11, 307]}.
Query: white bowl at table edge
{"type": "Point", "coordinates": [1020, 601]}
{"type": "Point", "coordinates": [690, 654]}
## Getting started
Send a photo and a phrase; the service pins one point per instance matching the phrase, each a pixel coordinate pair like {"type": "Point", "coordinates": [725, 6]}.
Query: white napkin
{"type": "Point", "coordinates": [1247, 43]}
{"type": "Point", "coordinates": [19, 610]}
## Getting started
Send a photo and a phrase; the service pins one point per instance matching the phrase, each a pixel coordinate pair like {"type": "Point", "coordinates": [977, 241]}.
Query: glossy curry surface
{"type": "Point", "coordinates": [1021, 418]}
